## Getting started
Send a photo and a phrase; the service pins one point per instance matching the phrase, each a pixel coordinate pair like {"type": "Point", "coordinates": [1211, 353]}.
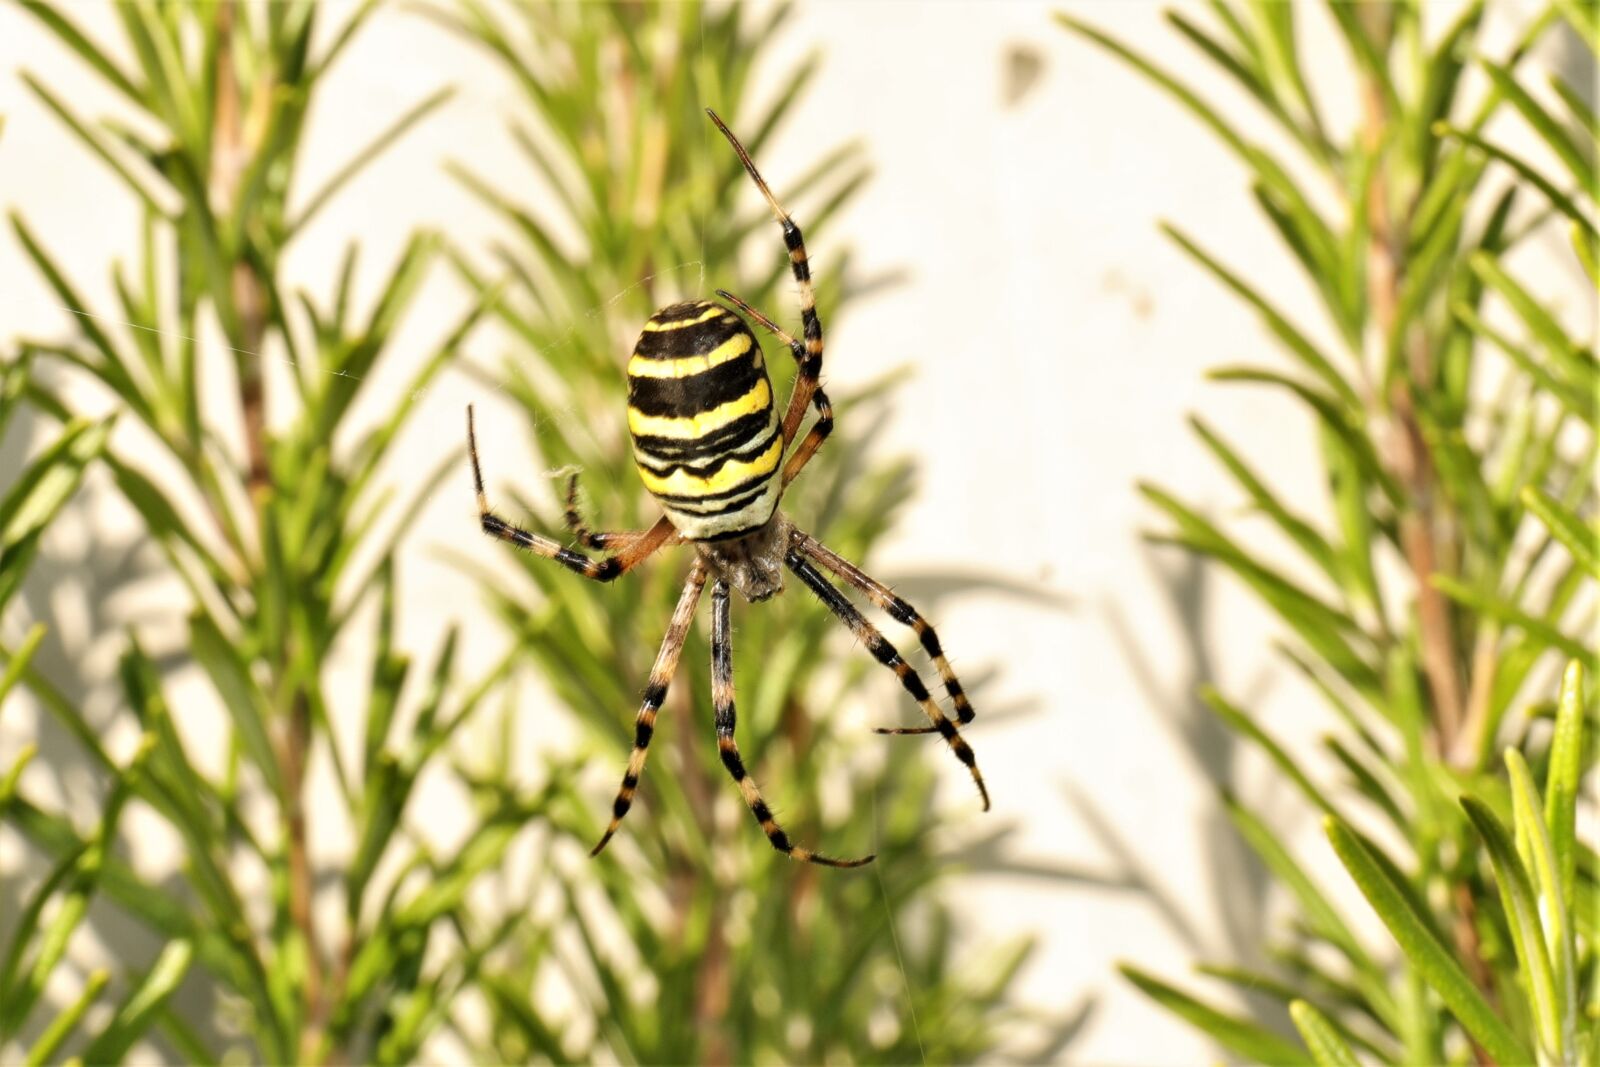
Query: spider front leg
{"type": "Point", "coordinates": [655, 693]}
{"type": "Point", "coordinates": [886, 654]}
{"type": "Point", "coordinates": [808, 354]}
{"type": "Point", "coordinates": [824, 424]}
{"type": "Point", "coordinates": [726, 716]}
{"type": "Point", "coordinates": [600, 570]}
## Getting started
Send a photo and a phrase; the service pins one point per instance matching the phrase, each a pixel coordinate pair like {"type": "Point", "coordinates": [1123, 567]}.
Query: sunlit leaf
{"type": "Point", "coordinates": [1247, 1038]}
{"type": "Point", "coordinates": [1522, 914]}
{"type": "Point", "coordinates": [1431, 958]}
{"type": "Point", "coordinates": [1328, 1048]}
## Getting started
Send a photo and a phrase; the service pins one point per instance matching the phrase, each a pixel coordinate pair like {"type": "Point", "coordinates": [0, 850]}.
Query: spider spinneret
{"type": "Point", "coordinates": [709, 445]}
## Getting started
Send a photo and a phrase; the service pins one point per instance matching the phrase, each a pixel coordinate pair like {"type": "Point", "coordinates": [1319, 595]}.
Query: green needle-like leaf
{"type": "Point", "coordinates": [1321, 917]}
{"type": "Point", "coordinates": [1422, 947]}
{"type": "Point", "coordinates": [17, 662]}
{"type": "Point", "coordinates": [1561, 201]}
{"type": "Point", "coordinates": [1571, 394]}
{"type": "Point", "coordinates": [1310, 541]}
{"type": "Point", "coordinates": [1581, 539]}
{"type": "Point", "coordinates": [1245, 726]}
{"type": "Point", "coordinates": [1522, 914]}
{"type": "Point", "coordinates": [1586, 246]}
{"type": "Point", "coordinates": [1292, 337]}
{"type": "Point", "coordinates": [1247, 1038]}
{"type": "Point", "coordinates": [1500, 608]}
{"type": "Point", "coordinates": [9, 780]}
{"type": "Point", "coordinates": [1579, 164]}
{"type": "Point", "coordinates": [75, 39]}
{"type": "Point", "coordinates": [1349, 431]}
{"type": "Point", "coordinates": [1533, 837]}
{"type": "Point", "coordinates": [62, 1026]}
{"type": "Point", "coordinates": [1571, 359]}
{"type": "Point", "coordinates": [95, 142]}
{"type": "Point", "coordinates": [27, 928]}
{"type": "Point", "coordinates": [1366, 52]}
{"type": "Point", "coordinates": [1565, 778]}
{"type": "Point", "coordinates": [1328, 1048]}
{"type": "Point", "coordinates": [39, 493]}
{"type": "Point", "coordinates": [357, 163]}
{"type": "Point", "coordinates": [137, 1013]}
{"type": "Point", "coordinates": [1190, 99]}
{"type": "Point", "coordinates": [240, 694]}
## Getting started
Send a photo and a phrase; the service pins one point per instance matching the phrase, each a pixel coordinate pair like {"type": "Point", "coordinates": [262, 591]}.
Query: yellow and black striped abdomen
{"type": "Point", "coordinates": [706, 434]}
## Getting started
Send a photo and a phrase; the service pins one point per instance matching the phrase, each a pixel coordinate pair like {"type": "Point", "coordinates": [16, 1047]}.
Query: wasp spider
{"type": "Point", "coordinates": [710, 447]}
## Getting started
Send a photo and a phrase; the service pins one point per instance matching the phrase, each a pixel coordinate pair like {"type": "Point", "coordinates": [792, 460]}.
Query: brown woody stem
{"type": "Point", "coordinates": [1426, 533]}
{"type": "Point", "coordinates": [1408, 453]}
{"type": "Point", "coordinates": [249, 296]}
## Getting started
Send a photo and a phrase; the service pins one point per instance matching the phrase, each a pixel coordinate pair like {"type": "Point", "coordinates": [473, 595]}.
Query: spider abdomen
{"type": "Point", "coordinates": [706, 434]}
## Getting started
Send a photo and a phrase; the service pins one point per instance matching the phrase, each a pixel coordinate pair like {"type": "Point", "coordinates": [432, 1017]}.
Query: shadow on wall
{"type": "Point", "coordinates": [1239, 883]}
{"type": "Point", "coordinates": [1576, 63]}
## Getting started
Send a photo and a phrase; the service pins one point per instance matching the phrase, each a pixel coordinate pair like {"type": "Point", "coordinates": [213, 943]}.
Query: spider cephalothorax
{"type": "Point", "coordinates": [710, 447]}
{"type": "Point", "coordinates": [752, 563]}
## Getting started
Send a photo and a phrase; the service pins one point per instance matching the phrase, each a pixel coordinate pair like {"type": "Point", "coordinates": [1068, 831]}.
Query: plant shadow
{"type": "Point", "coordinates": [1239, 885]}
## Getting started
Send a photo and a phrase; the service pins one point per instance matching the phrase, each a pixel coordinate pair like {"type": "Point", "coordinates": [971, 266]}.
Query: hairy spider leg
{"type": "Point", "coordinates": [605, 569]}
{"type": "Point", "coordinates": [595, 539]}
{"type": "Point", "coordinates": [655, 692]}
{"type": "Point", "coordinates": [726, 716]}
{"type": "Point", "coordinates": [810, 353]}
{"type": "Point", "coordinates": [886, 654]}
{"type": "Point", "coordinates": [898, 610]}
{"type": "Point", "coordinates": [824, 424]}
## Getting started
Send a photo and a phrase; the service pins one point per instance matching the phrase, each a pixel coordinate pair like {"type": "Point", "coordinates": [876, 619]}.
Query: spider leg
{"type": "Point", "coordinates": [655, 692]}
{"type": "Point", "coordinates": [726, 716]}
{"type": "Point", "coordinates": [601, 570]}
{"type": "Point", "coordinates": [824, 424]}
{"type": "Point", "coordinates": [593, 538]}
{"type": "Point", "coordinates": [886, 654]}
{"type": "Point", "coordinates": [809, 355]}
{"type": "Point", "coordinates": [900, 612]}
{"type": "Point", "coordinates": [813, 440]}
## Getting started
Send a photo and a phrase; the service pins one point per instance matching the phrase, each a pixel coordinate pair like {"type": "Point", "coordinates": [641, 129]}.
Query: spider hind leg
{"type": "Point", "coordinates": [885, 653]}
{"type": "Point", "coordinates": [726, 717]}
{"type": "Point", "coordinates": [655, 694]}
{"type": "Point", "coordinates": [900, 611]}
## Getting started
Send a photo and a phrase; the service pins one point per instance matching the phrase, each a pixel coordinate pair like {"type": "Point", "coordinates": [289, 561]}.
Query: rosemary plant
{"type": "Point", "coordinates": [1455, 574]}
{"type": "Point", "coordinates": [279, 542]}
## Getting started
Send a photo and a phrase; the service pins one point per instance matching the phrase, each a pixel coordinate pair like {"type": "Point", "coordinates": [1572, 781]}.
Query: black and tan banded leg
{"type": "Point", "coordinates": [595, 539]}
{"type": "Point", "coordinates": [810, 354]}
{"type": "Point", "coordinates": [601, 570]}
{"type": "Point", "coordinates": [824, 424]}
{"type": "Point", "coordinates": [655, 693]}
{"type": "Point", "coordinates": [885, 653]}
{"type": "Point", "coordinates": [901, 612]}
{"type": "Point", "coordinates": [726, 716]}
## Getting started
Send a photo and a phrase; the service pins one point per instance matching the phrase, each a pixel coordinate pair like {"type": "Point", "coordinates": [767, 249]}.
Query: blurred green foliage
{"type": "Point", "coordinates": [283, 536]}
{"type": "Point", "coordinates": [1456, 573]}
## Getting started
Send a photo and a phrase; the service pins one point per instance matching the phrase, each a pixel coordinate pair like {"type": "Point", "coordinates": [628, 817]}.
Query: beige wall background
{"type": "Point", "coordinates": [1058, 343]}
